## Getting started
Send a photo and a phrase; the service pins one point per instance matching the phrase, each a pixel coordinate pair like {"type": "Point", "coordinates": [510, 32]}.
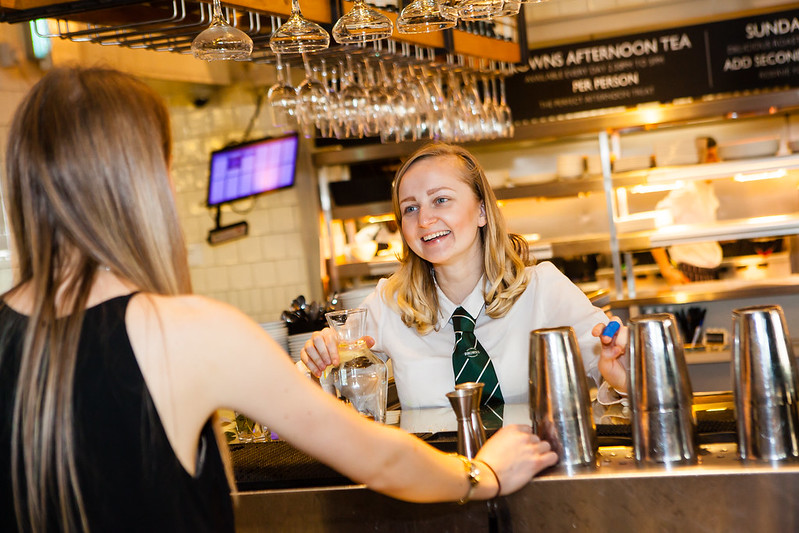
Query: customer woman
{"type": "Point", "coordinates": [110, 371]}
{"type": "Point", "coordinates": [459, 259]}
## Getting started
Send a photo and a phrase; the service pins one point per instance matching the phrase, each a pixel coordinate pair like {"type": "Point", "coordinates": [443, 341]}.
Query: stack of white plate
{"type": "Point", "coordinates": [296, 342]}
{"type": "Point", "coordinates": [355, 297]}
{"type": "Point", "coordinates": [278, 331]}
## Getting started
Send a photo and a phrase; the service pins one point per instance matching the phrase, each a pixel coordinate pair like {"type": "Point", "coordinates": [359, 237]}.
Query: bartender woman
{"type": "Point", "coordinates": [459, 264]}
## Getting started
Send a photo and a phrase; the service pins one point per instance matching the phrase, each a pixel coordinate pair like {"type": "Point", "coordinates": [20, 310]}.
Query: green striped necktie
{"type": "Point", "coordinates": [470, 360]}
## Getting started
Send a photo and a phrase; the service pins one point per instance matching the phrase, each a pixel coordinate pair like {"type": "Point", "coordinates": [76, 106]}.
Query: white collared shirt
{"type": "Point", "coordinates": [423, 363]}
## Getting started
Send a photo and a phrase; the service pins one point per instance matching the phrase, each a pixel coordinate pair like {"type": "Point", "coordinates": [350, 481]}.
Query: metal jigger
{"type": "Point", "coordinates": [464, 401]}
{"type": "Point", "coordinates": [764, 384]}
{"type": "Point", "coordinates": [477, 419]}
{"type": "Point", "coordinates": [560, 406]}
{"type": "Point", "coordinates": [663, 423]}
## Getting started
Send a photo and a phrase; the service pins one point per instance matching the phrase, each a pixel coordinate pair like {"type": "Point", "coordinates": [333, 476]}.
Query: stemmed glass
{"type": "Point", "coordinates": [353, 103]}
{"type": "Point", "coordinates": [512, 7]}
{"type": "Point", "coordinates": [312, 101]}
{"type": "Point", "coordinates": [362, 24]}
{"type": "Point", "coordinates": [282, 99]}
{"type": "Point", "coordinates": [298, 34]}
{"type": "Point", "coordinates": [478, 9]}
{"type": "Point", "coordinates": [422, 16]}
{"type": "Point", "coordinates": [504, 111]}
{"type": "Point", "coordinates": [221, 41]}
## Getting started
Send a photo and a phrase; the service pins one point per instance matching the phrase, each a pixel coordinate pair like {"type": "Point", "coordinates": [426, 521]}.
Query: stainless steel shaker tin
{"type": "Point", "coordinates": [663, 423]}
{"type": "Point", "coordinates": [765, 385]}
{"type": "Point", "coordinates": [560, 404]}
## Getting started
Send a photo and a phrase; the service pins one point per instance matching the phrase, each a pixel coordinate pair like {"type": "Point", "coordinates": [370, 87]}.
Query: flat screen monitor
{"type": "Point", "coordinates": [252, 168]}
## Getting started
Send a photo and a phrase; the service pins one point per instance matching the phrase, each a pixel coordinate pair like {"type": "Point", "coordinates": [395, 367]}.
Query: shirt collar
{"type": "Point", "coordinates": [473, 303]}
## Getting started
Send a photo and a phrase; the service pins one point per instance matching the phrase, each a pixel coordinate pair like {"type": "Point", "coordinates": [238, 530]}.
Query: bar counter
{"type": "Point", "coordinates": [720, 493]}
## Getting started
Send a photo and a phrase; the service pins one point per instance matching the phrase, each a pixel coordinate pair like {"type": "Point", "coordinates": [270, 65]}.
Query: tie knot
{"type": "Point", "coordinates": [462, 321]}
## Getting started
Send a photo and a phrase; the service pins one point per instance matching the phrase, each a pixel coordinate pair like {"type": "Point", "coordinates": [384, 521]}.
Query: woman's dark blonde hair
{"type": "Point", "coordinates": [411, 289]}
{"type": "Point", "coordinates": [87, 186]}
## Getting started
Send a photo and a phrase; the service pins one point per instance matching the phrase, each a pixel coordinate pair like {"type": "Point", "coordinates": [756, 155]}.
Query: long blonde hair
{"type": "Point", "coordinates": [411, 289]}
{"type": "Point", "coordinates": [87, 185]}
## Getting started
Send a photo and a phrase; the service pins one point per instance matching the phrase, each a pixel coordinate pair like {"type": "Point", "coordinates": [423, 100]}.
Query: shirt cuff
{"type": "Point", "coordinates": [607, 395]}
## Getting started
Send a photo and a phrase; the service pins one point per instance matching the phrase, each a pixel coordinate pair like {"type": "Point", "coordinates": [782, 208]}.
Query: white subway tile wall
{"type": "Point", "coordinates": [263, 272]}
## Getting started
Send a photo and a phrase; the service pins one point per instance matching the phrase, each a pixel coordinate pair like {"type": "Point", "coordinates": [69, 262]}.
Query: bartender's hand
{"type": "Point", "coordinates": [321, 350]}
{"type": "Point", "coordinates": [515, 455]}
{"type": "Point", "coordinates": [611, 364]}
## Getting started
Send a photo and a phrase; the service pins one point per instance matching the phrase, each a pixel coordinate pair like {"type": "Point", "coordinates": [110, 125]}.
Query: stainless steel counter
{"type": "Point", "coordinates": [719, 494]}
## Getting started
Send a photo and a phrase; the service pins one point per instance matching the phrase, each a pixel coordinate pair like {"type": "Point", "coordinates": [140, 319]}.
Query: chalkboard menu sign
{"type": "Point", "coordinates": [755, 52]}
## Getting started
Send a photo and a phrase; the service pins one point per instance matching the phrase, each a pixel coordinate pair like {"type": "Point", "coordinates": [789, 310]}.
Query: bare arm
{"type": "Point", "coordinates": [219, 358]}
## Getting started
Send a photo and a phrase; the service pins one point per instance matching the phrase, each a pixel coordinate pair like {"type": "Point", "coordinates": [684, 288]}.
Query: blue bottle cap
{"type": "Point", "coordinates": [611, 329]}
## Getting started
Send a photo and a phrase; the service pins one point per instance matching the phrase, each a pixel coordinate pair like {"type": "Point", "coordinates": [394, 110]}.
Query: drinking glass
{"type": "Point", "coordinates": [282, 99]}
{"type": "Point", "coordinates": [478, 9]}
{"type": "Point", "coordinates": [298, 34]}
{"type": "Point", "coordinates": [312, 101]}
{"type": "Point", "coordinates": [221, 41]}
{"type": "Point", "coordinates": [510, 8]}
{"type": "Point", "coordinates": [353, 101]}
{"type": "Point", "coordinates": [362, 24]}
{"type": "Point", "coordinates": [422, 16]}
{"type": "Point", "coordinates": [504, 112]}
{"type": "Point", "coordinates": [361, 378]}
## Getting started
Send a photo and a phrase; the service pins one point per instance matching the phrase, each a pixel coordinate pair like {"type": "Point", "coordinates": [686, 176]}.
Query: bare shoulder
{"type": "Point", "coordinates": [184, 322]}
{"type": "Point", "coordinates": [177, 311]}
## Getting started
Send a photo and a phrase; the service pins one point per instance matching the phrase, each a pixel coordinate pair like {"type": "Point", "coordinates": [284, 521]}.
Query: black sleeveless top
{"type": "Point", "coordinates": [129, 476]}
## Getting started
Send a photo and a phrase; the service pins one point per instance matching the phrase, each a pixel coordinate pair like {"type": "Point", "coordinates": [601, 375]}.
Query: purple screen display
{"type": "Point", "coordinates": [251, 169]}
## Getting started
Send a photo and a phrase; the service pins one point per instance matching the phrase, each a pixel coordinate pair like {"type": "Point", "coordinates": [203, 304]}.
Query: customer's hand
{"type": "Point", "coordinates": [515, 455]}
{"type": "Point", "coordinates": [321, 351]}
{"type": "Point", "coordinates": [611, 363]}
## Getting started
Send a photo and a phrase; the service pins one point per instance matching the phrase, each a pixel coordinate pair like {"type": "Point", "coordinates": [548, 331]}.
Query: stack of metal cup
{"type": "Point", "coordinates": [560, 405]}
{"type": "Point", "coordinates": [663, 423]}
{"type": "Point", "coordinates": [765, 385]}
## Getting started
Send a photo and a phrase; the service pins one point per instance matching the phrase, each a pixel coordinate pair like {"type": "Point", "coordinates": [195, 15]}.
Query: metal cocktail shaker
{"type": "Point", "coordinates": [663, 423]}
{"type": "Point", "coordinates": [764, 385]}
{"type": "Point", "coordinates": [560, 405]}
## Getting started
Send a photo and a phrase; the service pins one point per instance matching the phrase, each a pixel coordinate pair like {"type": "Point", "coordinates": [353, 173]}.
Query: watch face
{"type": "Point", "coordinates": [474, 475]}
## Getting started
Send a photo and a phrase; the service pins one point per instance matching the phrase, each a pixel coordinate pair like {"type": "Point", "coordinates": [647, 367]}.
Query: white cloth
{"type": "Point", "coordinates": [694, 203]}
{"type": "Point", "coordinates": [423, 363]}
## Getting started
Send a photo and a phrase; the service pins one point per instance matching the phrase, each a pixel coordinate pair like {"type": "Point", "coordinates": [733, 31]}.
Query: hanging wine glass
{"type": "Point", "coordinates": [354, 101]}
{"type": "Point", "coordinates": [298, 34]}
{"type": "Point", "coordinates": [362, 24]}
{"type": "Point", "coordinates": [312, 101]}
{"type": "Point", "coordinates": [282, 99]}
{"type": "Point", "coordinates": [221, 41]}
{"type": "Point", "coordinates": [510, 8]}
{"type": "Point", "coordinates": [505, 113]}
{"type": "Point", "coordinates": [478, 9]}
{"type": "Point", "coordinates": [422, 16]}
